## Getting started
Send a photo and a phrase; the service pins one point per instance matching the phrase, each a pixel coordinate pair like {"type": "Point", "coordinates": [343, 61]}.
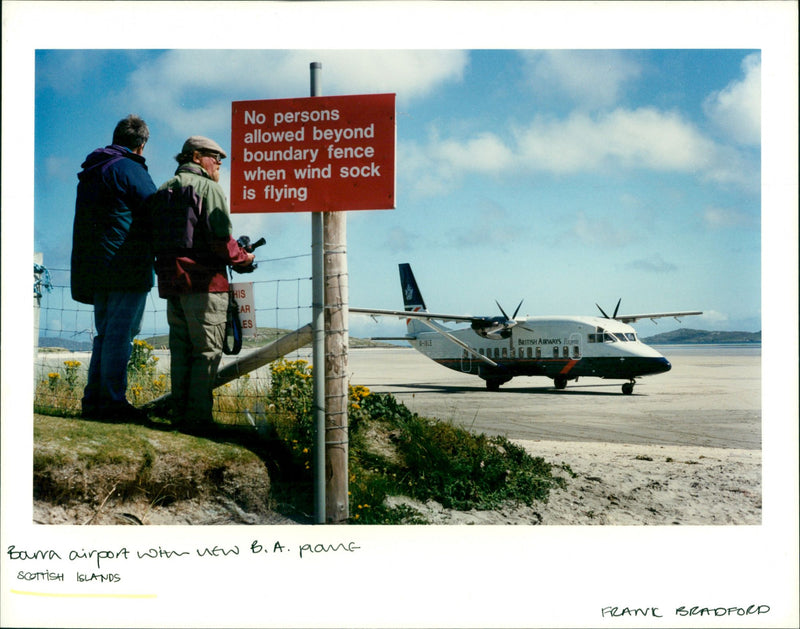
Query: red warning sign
{"type": "Point", "coordinates": [322, 153]}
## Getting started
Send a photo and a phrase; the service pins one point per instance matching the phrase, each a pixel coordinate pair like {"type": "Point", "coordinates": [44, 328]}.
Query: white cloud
{"type": "Point", "coordinates": [652, 264]}
{"type": "Point", "coordinates": [736, 110]}
{"type": "Point", "coordinates": [492, 227]}
{"type": "Point", "coordinates": [713, 317]}
{"type": "Point", "coordinates": [721, 218]}
{"type": "Point", "coordinates": [590, 78]}
{"type": "Point", "coordinates": [400, 239]}
{"type": "Point", "coordinates": [416, 164]}
{"type": "Point", "coordinates": [621, 139]}
{"type": "Point", "coordinates": [483, 153]}
{"type": "Point", "coordinates": [733, 168]}
{"type": "Point", "coordinates": [600, 231]}
{"type": "Point", "coordinates": [409, 73]}
{"type": "Point", "coordinates": [67, 72]}
{"type": "Point", "coordinates": [640, 138]}
{"type": "Point", "coordinates": [59, 167]}
{"type": "Point", "coordinates": [192, 89]}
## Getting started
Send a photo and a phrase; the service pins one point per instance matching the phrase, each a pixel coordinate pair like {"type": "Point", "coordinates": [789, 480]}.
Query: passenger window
{"type": "Point", "coordinates": [505, 352]}
{"type": "Point", "coordinates": [538, 352]}
{"type": "Point", "coordinates": [530, 352]}
{"type": "Point", "coordinates": [576, 351]}
{"type": "Point", "coordinates": [565, 352]}
{"type": "Point", "coordinates": [555, 352]}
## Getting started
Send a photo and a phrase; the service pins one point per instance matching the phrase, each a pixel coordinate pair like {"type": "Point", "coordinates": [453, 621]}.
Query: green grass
{"type": "Point", "coordinates": [432, 460]}
{"type": "Point", "coordinates": [394, 452]}
{"type": "Point", "coordinates": [77, 461]}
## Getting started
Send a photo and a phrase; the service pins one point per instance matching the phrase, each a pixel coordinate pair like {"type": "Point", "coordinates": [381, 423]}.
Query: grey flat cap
{"type": "Point", "coordinates": [200, 143]}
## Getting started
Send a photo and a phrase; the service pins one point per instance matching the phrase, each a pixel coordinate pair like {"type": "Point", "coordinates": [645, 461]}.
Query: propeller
{"type": "Point", "coordinates": [514, 316]}
{"type": "Point", "coordinates": [496, 327]}
{"type": "Point", "coordinates": [616, 310]}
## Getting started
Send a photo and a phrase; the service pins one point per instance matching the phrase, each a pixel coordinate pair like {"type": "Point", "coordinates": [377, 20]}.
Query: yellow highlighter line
{"type": "Point", "coordinates": [69, 595]}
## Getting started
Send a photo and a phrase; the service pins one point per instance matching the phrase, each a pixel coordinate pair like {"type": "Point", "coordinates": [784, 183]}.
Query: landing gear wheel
{"type": "Point", "coordinates": [627, 388]}
{"type": "Point", "coordinates": [560, 382]}
{"type": "Point", "coordinates": [493, 383]}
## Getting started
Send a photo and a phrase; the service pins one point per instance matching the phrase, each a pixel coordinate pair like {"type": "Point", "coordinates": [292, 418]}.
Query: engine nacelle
{"type": "Point", "coordinates": [494, 328]}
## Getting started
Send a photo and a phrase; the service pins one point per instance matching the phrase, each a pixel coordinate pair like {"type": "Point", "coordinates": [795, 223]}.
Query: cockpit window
{"type": "Point", "coordinates": [604, 336]}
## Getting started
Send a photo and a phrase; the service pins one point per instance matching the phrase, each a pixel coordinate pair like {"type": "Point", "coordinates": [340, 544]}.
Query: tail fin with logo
{"type": "Point", "coordinates": [412, 298]}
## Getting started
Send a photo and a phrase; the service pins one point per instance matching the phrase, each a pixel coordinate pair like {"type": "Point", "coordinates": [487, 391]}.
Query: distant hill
{"type": "Point", "coordinates": [685, 336]}
{"type": "Point", "coordinates": [266, 335]}
{"type": "Point", "coordinates": [71, 345]}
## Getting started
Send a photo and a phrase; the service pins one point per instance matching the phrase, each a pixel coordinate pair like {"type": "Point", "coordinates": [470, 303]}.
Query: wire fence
{"type": "Point", "coordinates": [66, 331]}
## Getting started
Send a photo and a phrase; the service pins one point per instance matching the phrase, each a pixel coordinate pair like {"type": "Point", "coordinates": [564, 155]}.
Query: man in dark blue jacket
{"type": "Point", "coordinates": [112, 262]}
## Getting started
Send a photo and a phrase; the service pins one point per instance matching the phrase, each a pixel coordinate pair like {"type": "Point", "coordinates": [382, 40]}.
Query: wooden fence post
{"type": "Point", "coordinates": [336, 363]}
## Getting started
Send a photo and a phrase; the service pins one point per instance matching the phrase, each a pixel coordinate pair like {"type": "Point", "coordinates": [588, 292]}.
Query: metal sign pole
{"type": "Point", "coordinates": [318, 344]}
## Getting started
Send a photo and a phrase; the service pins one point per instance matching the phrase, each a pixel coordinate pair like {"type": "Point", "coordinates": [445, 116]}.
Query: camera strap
{"type": "Point", "coordinates": [233, 328]}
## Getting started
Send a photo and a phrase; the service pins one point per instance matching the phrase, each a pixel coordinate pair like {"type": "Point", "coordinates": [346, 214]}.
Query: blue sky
{"type": "Point", "coordinates": [561, 177]}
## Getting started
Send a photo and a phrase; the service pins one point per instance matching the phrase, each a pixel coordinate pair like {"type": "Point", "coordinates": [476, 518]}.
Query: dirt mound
{"type": "Point", "coordinates": [100, 473]}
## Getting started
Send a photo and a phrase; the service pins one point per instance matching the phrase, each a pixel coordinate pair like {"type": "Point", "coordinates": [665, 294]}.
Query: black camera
{"type": "Point", "coordinates": [244, 243]}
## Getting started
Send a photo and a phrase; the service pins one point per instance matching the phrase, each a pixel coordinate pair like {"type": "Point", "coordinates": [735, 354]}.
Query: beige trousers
{"type": "Point", "coordinates": [196, 334]}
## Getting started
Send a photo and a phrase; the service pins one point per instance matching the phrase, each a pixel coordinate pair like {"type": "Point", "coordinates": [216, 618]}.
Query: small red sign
{"type": "Point", "coordinates": [322, 153]}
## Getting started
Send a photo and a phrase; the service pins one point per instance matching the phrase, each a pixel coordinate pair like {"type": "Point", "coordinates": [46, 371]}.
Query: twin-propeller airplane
{"type": "Point", "coordinates": [497, 349]}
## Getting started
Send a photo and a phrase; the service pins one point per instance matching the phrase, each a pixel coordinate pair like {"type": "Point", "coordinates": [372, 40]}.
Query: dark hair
{"type": "Point", "coordinates": [184, 157]}
{"type": "Point", "coordinates": [131, 132]}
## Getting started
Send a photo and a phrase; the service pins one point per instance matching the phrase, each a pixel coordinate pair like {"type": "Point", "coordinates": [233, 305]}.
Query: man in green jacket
{"type": "Point", "coordinates": [194, 247]}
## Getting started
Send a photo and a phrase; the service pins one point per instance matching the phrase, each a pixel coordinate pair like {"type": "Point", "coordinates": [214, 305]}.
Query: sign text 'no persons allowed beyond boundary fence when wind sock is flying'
{"type": "Point", "coordinates": [323, 153]}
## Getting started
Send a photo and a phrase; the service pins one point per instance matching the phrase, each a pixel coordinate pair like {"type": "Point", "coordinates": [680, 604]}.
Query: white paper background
{"type": "Point", "coordinates": [420, 576]}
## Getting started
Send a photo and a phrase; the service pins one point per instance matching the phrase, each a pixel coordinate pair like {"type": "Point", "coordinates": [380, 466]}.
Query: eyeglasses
{"type": "Point", "coordinates": [217, 157]}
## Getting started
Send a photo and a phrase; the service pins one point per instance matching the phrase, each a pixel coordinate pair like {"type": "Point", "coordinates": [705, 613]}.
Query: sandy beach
{"type": "Point", "coordinates": [626, 484]}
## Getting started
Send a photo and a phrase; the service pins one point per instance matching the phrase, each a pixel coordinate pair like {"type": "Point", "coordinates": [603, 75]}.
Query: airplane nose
{"type": "Point", "coordinates": [662, 365]}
